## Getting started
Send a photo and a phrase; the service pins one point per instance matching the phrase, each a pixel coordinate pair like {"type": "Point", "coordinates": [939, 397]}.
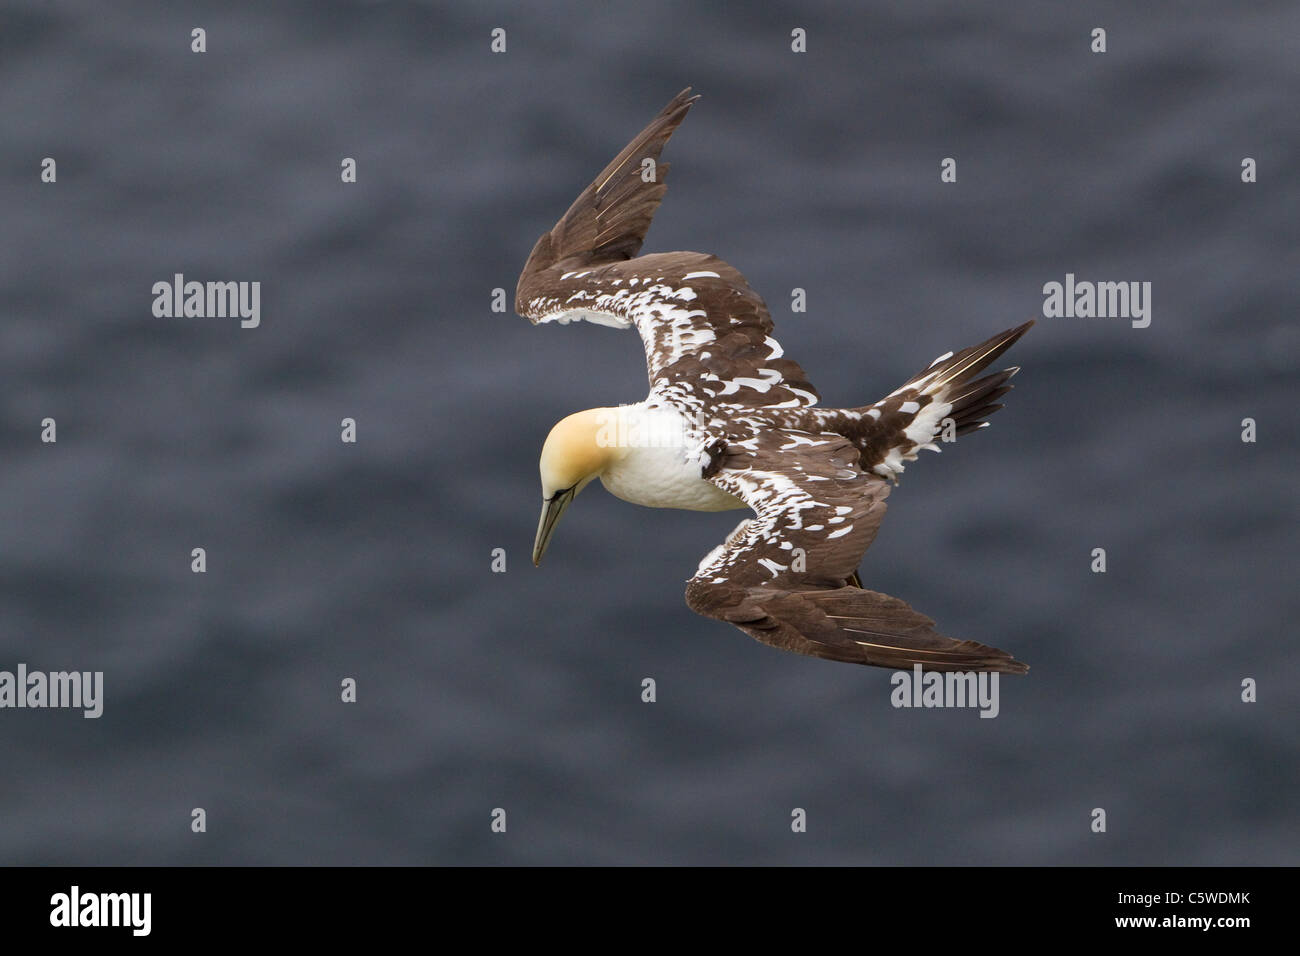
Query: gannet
{"type": "Point", "coordinates": [730, 423]}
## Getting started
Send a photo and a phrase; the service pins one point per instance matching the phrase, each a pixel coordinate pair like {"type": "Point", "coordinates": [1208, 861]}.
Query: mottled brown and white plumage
{"type": "Point", "coordinates": [729, 422]}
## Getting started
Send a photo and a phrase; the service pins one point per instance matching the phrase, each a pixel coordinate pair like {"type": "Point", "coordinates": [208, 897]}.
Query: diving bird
{"type": "Point", "coordinates": [730, 423]}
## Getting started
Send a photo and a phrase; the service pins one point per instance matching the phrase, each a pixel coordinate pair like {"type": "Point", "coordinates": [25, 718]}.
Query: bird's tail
{"type": "Point", "coordinates": [945, 400]}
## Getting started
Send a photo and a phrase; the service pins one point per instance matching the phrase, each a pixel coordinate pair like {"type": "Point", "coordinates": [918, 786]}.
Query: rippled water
{"type": "Point", "coordinates": [522, 690]}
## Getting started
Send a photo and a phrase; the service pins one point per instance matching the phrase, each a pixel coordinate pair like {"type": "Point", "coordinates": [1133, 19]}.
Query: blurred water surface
{"type": "Point", "coordinates": [522, 690]}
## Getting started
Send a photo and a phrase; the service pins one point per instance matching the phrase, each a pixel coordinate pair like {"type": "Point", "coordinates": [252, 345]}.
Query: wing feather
{"type": "Point", "coordinates": [812, 500]}
{"type": "Point", "coordinates": [707, 334]}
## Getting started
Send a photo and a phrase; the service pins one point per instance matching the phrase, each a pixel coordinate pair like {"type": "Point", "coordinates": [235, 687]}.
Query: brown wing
{"type": "Point", "coordinates": [707, 335]}
{"type": "Point", "coordinates": [609, 219]}
{"type": "Point", "coordinates": [784, 577]}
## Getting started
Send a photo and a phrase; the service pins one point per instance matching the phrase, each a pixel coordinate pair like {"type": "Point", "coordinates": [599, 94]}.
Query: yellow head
{"type": "Point", "coordinates": [577, 450]}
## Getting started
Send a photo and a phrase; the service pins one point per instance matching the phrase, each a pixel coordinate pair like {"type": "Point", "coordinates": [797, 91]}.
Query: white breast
{"type": "Point", "coordinates": [658, 469]}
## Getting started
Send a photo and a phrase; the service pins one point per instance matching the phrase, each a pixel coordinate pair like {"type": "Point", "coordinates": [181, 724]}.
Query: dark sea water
{"type": "Point", "coordinates": [522, 690]}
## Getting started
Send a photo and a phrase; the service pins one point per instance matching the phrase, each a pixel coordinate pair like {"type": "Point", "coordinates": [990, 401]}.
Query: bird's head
{"type": "Point", "coordinates": [577, 450]}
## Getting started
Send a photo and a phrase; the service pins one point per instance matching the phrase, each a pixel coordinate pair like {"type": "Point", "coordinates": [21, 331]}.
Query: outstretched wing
{"type": "Point", "coordinates": [707, 334]}
{"type": "Point", "coordinates": [783, 577]}
{"type": "Point", "coordinates": [609, 219]}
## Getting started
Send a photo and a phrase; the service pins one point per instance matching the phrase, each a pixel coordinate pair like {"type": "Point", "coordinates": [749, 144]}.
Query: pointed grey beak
{"type": "Point", "coordinates": [552, 508]}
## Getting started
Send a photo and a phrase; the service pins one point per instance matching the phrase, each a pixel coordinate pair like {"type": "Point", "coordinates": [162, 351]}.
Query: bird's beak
{"type": "Point", "coordinates": [552, 508]}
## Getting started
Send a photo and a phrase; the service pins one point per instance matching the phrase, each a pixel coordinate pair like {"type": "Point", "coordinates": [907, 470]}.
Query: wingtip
{"type": "Point", "coordinates": [683, 100]}
{"type": "Point", "coordinates": [1019, 330]}
{"type": "Point", "coordinates": [1003, 663]}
